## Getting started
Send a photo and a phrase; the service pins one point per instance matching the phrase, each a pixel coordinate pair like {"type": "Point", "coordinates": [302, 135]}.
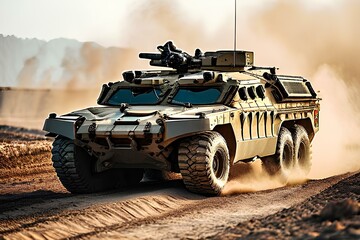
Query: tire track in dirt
{"type": "Point", "coordinates": [212, 215]}
{"type": "Point", "coordinates": [91, 211]}
{"type": "Point", "coordinates": [34, 174]}
{"type": "Point", "coordinates": [164, 210]}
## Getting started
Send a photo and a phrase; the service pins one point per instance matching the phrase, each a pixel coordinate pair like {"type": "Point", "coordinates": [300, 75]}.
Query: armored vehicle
{"type": "Point", "coordinates": [197, 115]}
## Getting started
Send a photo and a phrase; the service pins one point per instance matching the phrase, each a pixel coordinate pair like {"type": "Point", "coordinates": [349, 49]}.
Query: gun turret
{"type": "Point", "coordinates": [170, 56]}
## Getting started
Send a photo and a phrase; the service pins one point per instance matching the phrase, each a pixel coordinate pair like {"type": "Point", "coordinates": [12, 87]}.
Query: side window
{"type": "Point", "coordinates": [243, 94]}
{"type": "Point", "coordinates": [260, 91]}
{"type": "Point", "coordinates": [251, 92]}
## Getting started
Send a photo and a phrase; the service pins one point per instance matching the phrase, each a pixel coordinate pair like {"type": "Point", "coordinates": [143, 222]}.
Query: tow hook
{"type": "Point", "coordinates": [147, 127]}
{"type": "Point", "coordinates": [91, 130]}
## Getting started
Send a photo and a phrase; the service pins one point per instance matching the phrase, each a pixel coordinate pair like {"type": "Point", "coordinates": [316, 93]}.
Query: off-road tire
{"type": "Point", "coordinates": [303, 151]}
{"type": "Point", "coordinates": [73, 166]}
{"type": "Point", "coordinates": [204, 163]}
{"type": "Point", "coordinates": [282, 162]}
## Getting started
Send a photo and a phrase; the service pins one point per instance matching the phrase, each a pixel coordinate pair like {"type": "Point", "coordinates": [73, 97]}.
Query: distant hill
{"type": "Point", "coordinates": [59, 63]}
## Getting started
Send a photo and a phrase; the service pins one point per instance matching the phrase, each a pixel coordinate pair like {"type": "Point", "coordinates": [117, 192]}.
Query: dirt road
{"type": "Point", "coordinates": [34, 205]}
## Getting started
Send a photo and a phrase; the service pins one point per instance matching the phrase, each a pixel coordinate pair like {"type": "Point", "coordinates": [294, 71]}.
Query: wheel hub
{"type": "Point", "coordinates": [218, 165]}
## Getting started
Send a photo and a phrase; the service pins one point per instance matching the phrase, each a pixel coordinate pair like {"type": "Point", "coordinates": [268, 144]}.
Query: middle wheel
{"type": "Point", "coordinates": [204, 163]}
{"type": "Point", "coordinates": [282, 162]}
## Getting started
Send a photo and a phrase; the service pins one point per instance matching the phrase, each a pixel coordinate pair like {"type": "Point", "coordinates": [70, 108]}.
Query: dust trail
{"type": "Point", "coordinates": [336, 148]}
{"type": "Point", "coordinates": [323, 42]}
{"type": "Point", "coordinates": [322, 45]}
{"type": "Point", "coordinates": [250, 177]}
{"type": "Point", "coordinates": [327, 35]}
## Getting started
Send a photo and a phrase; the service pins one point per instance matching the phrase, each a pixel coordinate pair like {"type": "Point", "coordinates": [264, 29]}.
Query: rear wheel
{"type": "Point", "coordinates": [302, 146]}
{"type": "Point", "coordinates": [204, 163]}
{"type": "Point", "coordinates": [73, 166]}
{"type": "Point", "coordinates": [282, 162]}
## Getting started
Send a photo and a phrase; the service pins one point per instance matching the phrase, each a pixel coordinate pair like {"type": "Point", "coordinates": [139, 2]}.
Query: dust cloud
{"type": "Point", "coordinates": [318, 36]}
{"type": "Point", "coordinates": [83, 66]}
{"type": "Point", "coordinates": [99, 65]}
{"type": "Point", "coordinates": [323, 41]}
{"type": "Point", "coordinates": [320, 43]}
{"type": "Point", "coordinates": [155, 22]}
{"type": "Point", "coordinates": [158, 22]}
{"type": "Point", "coordinates": [59, 76]}
{"type": "Point", "coordinates": [29, 107]}
{"type": "Point", "coordinates": [251, 177]}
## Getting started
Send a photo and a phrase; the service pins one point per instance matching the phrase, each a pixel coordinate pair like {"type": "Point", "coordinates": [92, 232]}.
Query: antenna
{"type": "Point", "coordinates": [235, 36]}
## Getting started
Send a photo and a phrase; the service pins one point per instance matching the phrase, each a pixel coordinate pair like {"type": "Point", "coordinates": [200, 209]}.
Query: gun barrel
{"type": "Point", "coordinates": [157, 63]}
{"type": "Point", "coordinates": [152, 56]}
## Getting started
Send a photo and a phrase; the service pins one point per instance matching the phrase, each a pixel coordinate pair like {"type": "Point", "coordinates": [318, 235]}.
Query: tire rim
{"type": "Point", "coordinates": [218, 165]}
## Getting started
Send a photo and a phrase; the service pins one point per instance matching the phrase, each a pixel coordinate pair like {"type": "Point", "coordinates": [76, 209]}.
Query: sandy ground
{"type": "Point", "coordinates": [34, 204]}
{"type": "Point", "coordinates": [331, 214]}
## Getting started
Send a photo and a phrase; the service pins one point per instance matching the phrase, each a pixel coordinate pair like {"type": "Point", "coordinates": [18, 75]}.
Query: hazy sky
{"type": "Point", "coordinates": [105, 21]}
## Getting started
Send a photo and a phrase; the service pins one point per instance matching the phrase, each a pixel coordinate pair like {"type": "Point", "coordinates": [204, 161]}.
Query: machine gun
{"type": "Point", "coordinates": [223, 60]}
{"type": "Point", "coordinates": [170, 56]}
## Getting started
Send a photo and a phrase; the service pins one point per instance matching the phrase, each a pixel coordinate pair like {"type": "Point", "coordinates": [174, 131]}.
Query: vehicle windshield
{"type": "Point", "coordinates": [196, 95]}
{"type": "Point", "coordinates": [135, 96]}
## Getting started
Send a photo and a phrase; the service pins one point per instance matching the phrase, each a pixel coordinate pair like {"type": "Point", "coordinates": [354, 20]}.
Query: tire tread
{"type": "Point", "coordinates": [193, 158]}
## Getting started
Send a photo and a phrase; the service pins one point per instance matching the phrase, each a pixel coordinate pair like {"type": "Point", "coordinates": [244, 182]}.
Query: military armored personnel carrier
{"type": "Point", "coordinates": [197, 117]}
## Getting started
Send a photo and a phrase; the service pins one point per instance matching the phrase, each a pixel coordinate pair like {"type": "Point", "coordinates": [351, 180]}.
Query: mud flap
{"type": "Point", "coordinates": [59, 126]}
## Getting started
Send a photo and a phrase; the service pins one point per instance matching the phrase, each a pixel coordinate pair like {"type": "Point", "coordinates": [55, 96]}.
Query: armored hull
{"type": "Point", "coordinates": [209, 112]}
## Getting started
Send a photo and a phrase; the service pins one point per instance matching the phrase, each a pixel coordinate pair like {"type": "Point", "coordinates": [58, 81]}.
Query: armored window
{"type": "Point", "coordinates": [136, 96]}
{"type": "Point", "coordinates": [260, 90]}
{"type": "Point", "coordinates": [243, 94]}
{"type": "Point", "coordinates": [251, 92]}
{"type": "Point", "coordinates": [196, 95]}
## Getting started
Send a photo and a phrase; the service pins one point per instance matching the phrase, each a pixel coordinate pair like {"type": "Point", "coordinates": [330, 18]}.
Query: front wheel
{"type": "Point", "coordinates": [73, 166]}
{"type": "Point", "coordinates": [204, 163]}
